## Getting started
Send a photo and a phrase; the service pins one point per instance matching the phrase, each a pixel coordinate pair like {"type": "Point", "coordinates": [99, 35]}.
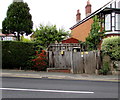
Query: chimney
{"type": "Point", "coordinates": [78, 16]}
{"type": "Point", "coordinates": [88, 8]}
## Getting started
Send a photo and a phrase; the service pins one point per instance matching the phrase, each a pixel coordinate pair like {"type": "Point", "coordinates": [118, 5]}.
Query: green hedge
{"type": "Point", "coordinates": [111, 47]}
{"type": "Point", "coordinates": [16, 54]}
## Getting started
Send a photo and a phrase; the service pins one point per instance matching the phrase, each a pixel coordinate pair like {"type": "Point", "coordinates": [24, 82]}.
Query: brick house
{"type": "Point", "coordinates": [7, 37]}
{"type": "Point", "coordinates": [70, 40]}
{"type": "Point", "coordinates": [109, 12]}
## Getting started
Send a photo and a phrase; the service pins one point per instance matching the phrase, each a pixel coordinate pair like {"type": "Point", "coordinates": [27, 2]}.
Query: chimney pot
{"type": "Point", "coordinates": [88, 2]}
{"type": "Point", "coordinates": [78, 16]}
{"type": "Point", "coordinates": [88, 8]}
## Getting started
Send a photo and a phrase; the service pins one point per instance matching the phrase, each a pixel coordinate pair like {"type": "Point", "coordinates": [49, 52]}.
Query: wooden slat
{"type": "Point", "coordinates": [74, 61]}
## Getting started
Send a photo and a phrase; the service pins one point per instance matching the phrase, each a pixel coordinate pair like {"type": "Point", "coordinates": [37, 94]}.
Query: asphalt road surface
{"type": "Point", "coordinates": [57, 88]}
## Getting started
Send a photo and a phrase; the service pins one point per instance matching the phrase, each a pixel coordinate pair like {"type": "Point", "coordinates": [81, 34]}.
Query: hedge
{"type": "Point", "coordinates": [16, 54]}
{"type": "Point", "coordinates": [111, 47]}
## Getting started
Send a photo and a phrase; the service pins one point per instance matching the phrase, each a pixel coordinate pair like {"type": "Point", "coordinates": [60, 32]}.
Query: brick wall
{"type": "Point", "coordinates": [58, 70]}
{"type": "Point", "coordinates": [70, 40]}
{"type": "Point", "coordinates": [82, 31]}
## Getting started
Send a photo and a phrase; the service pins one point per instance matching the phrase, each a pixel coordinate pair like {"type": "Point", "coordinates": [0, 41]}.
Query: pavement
{"type": "Point", "coordinates": [58, 75]}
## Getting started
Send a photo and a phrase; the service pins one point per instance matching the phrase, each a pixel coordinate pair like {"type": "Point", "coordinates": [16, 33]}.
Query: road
{"type": "Point", "coordinates": [57, 88]}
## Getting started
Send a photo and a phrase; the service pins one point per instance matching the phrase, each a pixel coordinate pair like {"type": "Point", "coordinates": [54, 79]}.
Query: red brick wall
{"type": "Point", "coordinates": [70, 40]}
{"type": "Point", "coordinates": [109, 35]}
{"type": "Point", "coordinates": [82, 31]}
{"type": "Point", "coordinates": [60, 70]}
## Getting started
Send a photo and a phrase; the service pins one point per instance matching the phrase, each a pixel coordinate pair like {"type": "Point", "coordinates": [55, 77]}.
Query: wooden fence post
{"type": "Point", "coordinates": [71, 60]}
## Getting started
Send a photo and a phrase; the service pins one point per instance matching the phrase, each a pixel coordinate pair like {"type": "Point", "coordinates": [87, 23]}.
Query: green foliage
{"type": "Point", "coordinates": [16, 54]}
{"type": "Point", "coordinates": [105, 69]}
{"type": "Point", "coordinates": [38, 61]}
{"type": "Point", "coordinates": [45, 35]}
{"type": "Point", "coordinates": [111, 47]}
{"type": "Point", "coordinates": [18, 19]}
{"type": "Point", "coordinates": [25, 39]}
{"type": "Point", "coordinates": [95, 36]}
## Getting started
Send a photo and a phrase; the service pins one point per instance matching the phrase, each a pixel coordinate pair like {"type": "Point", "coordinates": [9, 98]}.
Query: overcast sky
{"type": "Point", "coordinates": [56, 12]}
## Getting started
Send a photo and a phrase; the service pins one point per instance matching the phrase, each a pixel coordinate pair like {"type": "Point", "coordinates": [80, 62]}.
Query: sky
{"type": "Point", "coordinates": [61, 13]}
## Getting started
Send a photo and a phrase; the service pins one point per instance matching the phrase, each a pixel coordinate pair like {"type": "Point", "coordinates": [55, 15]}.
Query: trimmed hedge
{"type": "Point", "coordinates": [111, 47]}
{"type": "Point", "coordinates": [16, 54]}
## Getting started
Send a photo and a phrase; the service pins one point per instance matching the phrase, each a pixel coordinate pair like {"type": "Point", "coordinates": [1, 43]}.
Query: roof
{"type": "Point", "coordinates": [94, 13]}
{"type": "Point", "coordinates": [70, 40]}
{"type": "Point", "coordinates": [9, 35]}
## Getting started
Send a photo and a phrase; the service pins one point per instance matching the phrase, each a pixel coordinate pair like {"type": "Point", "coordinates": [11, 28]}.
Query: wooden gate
{"type": "Point", "coordinates": [86, 62]}
{"type": "Point", "coordinates": [58, 60]}
{"type": "Point", "coordinates": [78, 62]}
{"type": "Point", "coordinates": [74, 57]}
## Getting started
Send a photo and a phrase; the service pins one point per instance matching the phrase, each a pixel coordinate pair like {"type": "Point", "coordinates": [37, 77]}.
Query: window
{"type": "Point", "coordinates": [117, 22]}
{"type": "Point", "coordinates": [118, 4]}
{"type": "Point", "coordinates": [8, 38]}
{"type": "Point", "coordinates": [113, 5]}
{"type": "Point", "coordinates": [108, 22]}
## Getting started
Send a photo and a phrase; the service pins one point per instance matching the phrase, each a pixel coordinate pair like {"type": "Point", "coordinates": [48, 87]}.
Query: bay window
{"type": "Point", "coordinates": [117, 22]}
{"type": "Point", "coordinates": [108, 22]}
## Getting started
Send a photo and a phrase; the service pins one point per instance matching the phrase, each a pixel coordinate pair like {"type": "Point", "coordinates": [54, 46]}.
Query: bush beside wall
{"type": "Point", "coordinates": [111, 50]}
{"type": "Point", "coordinates": [111, 47]}
{"type": "Point", "coordinates": [16, 54]}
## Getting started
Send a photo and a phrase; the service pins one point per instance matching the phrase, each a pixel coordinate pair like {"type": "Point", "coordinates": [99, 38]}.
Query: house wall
{"type": "Point", "coordinates": [7, 37]}
{"type": "Point", "coordinates": [82, 31]}
{"type": "Point", "coordinates": [70, 40]}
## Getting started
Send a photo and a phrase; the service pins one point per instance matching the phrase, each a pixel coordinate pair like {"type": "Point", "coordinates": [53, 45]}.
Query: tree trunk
{"type": "Point", "coordinates": [18, 36]}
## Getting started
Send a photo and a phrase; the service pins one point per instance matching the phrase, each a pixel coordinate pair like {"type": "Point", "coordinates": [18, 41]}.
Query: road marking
{"type": "Point", "coordinates": [55, 91]}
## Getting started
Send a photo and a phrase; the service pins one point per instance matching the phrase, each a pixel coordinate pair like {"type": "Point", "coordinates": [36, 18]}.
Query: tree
{"type": "Point", "coordinates": [45, 35]}
{"type": "Point", "coordinates": [95, 36]}
{"type": "Point", "coordinates": [18, 20]}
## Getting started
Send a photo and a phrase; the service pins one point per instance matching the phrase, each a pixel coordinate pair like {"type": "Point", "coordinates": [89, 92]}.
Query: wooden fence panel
{"type": "Point", "coordinates": [61, 60]}
{"type": "Point", "coordinates": [78, 66]}
{"type": "Point", "coordinates": [81, 63]}
{"type": "Point", "coordinates": [50, 57]}
{"type": "Point", "coordinates": [88, 63]}
{"type": "Point", "coordinates": [56, 59]}
{"type": "Point", "coordinates": [67, 59]}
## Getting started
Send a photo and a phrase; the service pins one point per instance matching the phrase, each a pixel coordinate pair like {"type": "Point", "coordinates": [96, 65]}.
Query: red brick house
{"type": "Point", "coordinates": [70, 40]}
{"type": "Point", "coordinates": [109, 12]}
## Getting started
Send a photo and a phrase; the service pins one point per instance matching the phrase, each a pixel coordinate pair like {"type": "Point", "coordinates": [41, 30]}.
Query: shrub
{"type": "Point", "coordinates": [16, 54]}
{"type": "Point", "coordinates": [94, 38]}
{"type": "Point", "coordinates": [105, 69]}
{"type": "Point", "coordinates": [111, 47]}
{"type": "Point", "coordinates": [40, 61]}
{"type": "Point", "coordinates": [23, 39]}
